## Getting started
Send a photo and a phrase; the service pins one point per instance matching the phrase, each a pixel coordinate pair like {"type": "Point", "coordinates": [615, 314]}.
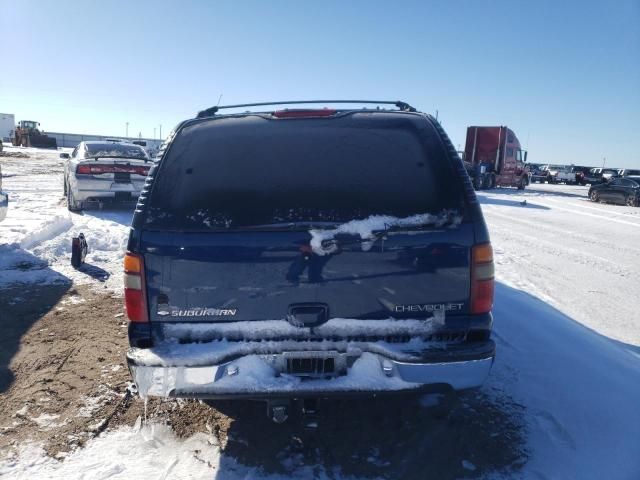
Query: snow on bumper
{"type": "Point", "coordinates": [257, 375]}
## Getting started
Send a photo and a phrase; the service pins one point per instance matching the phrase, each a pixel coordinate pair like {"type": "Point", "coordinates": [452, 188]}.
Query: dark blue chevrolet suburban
{"type": "Point", "coordinates": [306, 253]}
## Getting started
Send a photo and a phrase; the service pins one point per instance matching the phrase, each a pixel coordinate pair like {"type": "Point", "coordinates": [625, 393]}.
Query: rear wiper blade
{"type": "Point", "coordinates": [288, 226]}
{"type": "Point", "coordinates": [407, 228]}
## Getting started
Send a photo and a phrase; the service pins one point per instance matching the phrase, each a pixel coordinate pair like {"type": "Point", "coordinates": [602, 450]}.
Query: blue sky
{"type": "Point", "coordinates": [564, 75]}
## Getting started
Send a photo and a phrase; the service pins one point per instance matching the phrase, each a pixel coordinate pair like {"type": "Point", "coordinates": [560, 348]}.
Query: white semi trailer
{"type": "Point", "coordinates": [7, 125]}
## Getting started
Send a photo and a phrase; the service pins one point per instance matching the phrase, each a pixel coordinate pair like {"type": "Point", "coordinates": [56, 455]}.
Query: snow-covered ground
{"type": "Point", "coordinates": [581, 257]}
{"type": "Point", "coordinates": [566, 326]}
{"type": "Point", "coordinates": [38, 228]}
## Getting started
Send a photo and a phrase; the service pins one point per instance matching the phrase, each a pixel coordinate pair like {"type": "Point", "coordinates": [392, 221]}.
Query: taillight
{"type": "Point", "coordinates": [141, 171]}
{"type": "Point", "coordinates": [135, 301]}
{"type": "Point", "coordinates": [482, 278]}
{"type": "Point", "coordinates": [304, 113]}
{"type": "Point", "coordinates": [99, 169]}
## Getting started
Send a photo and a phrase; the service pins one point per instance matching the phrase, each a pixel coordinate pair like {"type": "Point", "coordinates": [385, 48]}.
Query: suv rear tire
{"type": "Point", "coordinates": [594, 196]}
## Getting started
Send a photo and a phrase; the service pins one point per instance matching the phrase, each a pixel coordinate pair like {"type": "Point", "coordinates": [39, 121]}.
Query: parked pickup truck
{"type": "Point", "coordinates": [538, 172]}
{"type": "Point", "coordinates": [594, 176]}
{"type": "Point", "coordinates": [306, 253]}
{"type": "Point", "coordinates": [560, 174]}
{"type": "Point", "coordinates": [629, 172]}
{"type": "Point", "coordinates": [580, 173]}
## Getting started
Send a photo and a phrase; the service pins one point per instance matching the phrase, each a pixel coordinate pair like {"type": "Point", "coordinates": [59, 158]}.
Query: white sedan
{"type": "Point", "coordinates": [104, 172]}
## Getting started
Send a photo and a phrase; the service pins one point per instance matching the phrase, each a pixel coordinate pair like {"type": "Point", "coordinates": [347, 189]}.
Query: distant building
{"type": "Point", "coordinates": [71, 140]}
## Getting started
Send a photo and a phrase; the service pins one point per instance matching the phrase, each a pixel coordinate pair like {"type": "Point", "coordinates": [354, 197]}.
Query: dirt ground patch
{"type": "Point", "coordinates": [67, 367]}
{"type": "Point", "coordinates": [66, 381]}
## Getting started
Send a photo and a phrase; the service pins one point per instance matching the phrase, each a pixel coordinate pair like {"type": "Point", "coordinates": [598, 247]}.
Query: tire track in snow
{"type": "Point", "coordinates": [552, 230]}
{"type": "Point", "coordinates": [577, 256]}
{"type": "Point", "coordinates": [627, 214]}
{"type": "Point", "coordinates": [598, 296]}
{"type": "Point", "coordinates": [587, 214]}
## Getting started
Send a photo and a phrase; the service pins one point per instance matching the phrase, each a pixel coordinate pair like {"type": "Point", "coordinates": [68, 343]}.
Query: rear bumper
{"type": "Point", "coordinates": [253, 376]}
{"type": "Point", "coordinates": [4, 205]}
{"type": "Point", "coordinates": [87, 190]}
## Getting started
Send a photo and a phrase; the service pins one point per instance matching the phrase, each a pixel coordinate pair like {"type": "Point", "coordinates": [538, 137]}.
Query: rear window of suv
{"type": "Point", "coordinates": [250, 171]}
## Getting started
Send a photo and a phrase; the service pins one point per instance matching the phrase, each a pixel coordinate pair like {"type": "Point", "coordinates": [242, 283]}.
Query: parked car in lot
{"type": "Point", "coordinates": [4, 200]}
{"type": "Point", "coordinates": [538, 172]}
{"type": "Point", "coordinates": [594, 176]}
{"type": "Point", "coordinates": [100, 172]}
{"type": "Point", "coordinates": [629, 172]}
{"type": "Point", "coordinates": [560, 174]}
{"type": "Point", "coordinates": [624, 191]}
{"type": "Point", "coordinates": [580, 174]}
{"type": "Point", "coordinates": [294, 253]}
{"type": "Point", "coordinates": [610, 173]}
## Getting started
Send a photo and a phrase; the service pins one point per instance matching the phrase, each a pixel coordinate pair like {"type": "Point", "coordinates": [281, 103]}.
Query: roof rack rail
{"type": "Point", "coordinates": [403, 106]}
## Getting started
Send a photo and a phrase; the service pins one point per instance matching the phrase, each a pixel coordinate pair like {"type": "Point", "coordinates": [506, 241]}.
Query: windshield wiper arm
{"type": "Point", "coordinates": [288, 226]}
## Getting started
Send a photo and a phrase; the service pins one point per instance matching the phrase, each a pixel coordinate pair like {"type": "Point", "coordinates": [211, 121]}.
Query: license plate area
{"type": "Point", "coordinates": [311, 364]}
{"type": "Point", "coordinates": [311, 367]}
{"type": "Point", "coordinates": [122, 187]}
{"type": "Point", "coordinates": [122, 177]}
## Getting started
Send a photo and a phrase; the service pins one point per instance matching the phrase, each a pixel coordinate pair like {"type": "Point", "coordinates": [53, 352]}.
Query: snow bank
{"type": "Point", "coordinates": [53, 228]}
{"type": "Point", "coordinates": [148, 452]}
{"type": "Point", "coordinates": [580, 390]}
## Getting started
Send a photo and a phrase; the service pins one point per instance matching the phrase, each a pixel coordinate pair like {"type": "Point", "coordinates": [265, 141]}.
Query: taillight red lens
{"type": "Point", "coordinates": [482, 296]}
{"type": "Point", "coordinates": [135, 300]}
{"type": "Point", "coordinates": [134, 304]}
{"type": "Point", "coordinates": [306, 113]}
{"type": "Point", "coordinates": [482, 279]}
{"type": "Point", "coordinates": [99, 169]}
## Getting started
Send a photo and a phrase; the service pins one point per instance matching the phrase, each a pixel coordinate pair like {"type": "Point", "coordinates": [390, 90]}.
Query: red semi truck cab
{"type": "Point", "coordinates": [494, 158]}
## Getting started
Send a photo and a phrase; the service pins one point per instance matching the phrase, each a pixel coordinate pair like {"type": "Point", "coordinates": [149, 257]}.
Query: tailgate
{"type": "Point", "coordinates": [205, 277]}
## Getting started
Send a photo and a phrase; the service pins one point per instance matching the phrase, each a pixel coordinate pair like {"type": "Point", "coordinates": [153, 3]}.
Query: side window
{"type": "Point", "coordinates": [74, 153]}
{"type": "Point", "coordinates": [626, 183]}
{"type": "Point", "coordinates": [615, 183]}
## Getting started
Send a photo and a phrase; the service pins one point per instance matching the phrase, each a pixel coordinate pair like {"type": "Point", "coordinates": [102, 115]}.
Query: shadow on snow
{"type": "Point", "coordinates": [28, 290]}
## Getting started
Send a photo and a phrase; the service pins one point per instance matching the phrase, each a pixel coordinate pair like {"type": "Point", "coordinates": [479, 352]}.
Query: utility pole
{"type": "Point", "coordinates": [160, 131]}
{"type": "Point", "coordinates": [604, 160]}
{"type": "Point", "coordinates": [127, 129]}
{"type": "Point", "coordinates": [154, 133]}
